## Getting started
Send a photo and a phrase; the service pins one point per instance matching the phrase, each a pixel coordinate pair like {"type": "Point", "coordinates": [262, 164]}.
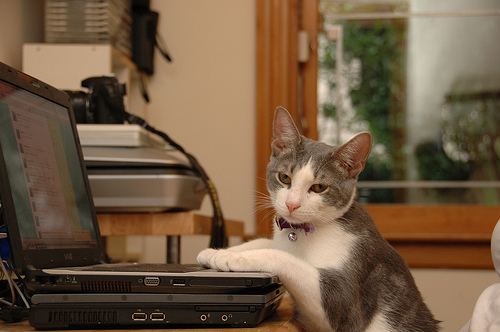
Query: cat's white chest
{"type": "Point", "coordinates": [327, 247]}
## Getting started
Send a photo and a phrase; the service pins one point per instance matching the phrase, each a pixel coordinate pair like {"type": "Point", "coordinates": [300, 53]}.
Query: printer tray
{"type": "Point", "coordinates": [118, 187]}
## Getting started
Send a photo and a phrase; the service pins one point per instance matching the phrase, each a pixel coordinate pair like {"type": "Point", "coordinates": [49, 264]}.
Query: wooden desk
{"type": "Point", "coordinates": [281, 321]}
{"type": "Point", "coordinates": [171, 224]}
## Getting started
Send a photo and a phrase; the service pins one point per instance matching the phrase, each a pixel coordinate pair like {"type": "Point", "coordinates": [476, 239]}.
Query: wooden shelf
{"type": "Point", "coordinates": [168, 224]}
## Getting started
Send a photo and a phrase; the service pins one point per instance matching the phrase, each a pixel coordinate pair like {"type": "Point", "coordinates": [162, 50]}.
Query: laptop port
{"type": "Point", "coordinates": [151, 281]}
{"type": "Point", "coordinates": [139, 316]}
{"type": "Point", "coordinates": [178, 282]}
{"type": "Point", "coordinates": [69, 279]}
{"type": "Point", "coordinates": [157, 316]}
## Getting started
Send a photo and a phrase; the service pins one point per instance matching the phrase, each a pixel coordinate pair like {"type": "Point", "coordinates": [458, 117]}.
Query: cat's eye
{"type": "Point", "coordinates": [318, 188]}
{"type": "Point", "coordinates": [285, 178]}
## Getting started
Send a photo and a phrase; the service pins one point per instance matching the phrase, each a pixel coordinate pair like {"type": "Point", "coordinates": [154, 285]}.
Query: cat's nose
{"type": "Point", "coordinates": [292, 207]}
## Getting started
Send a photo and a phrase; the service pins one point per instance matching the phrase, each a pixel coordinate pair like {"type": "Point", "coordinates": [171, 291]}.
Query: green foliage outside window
{"type": "Point", "coordinates": [377, 47]}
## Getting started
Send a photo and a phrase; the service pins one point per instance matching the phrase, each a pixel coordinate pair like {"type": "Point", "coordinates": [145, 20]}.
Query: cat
{"type": "Point", "coordinates": [326, 250]}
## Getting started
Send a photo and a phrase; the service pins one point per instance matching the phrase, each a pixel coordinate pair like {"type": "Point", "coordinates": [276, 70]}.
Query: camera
{"type": "Point", "coordinates": [103, 103]}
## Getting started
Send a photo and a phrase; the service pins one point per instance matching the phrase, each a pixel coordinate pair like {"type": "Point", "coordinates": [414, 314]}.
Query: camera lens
{"type": "Point", "coordinates": [79, 100]}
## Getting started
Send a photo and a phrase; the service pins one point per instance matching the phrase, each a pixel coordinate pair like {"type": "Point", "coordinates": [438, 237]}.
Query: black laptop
{"type": "Point", "coordinates": [49, 213]}
{"type": "Point", "coordinates": [63, 311]}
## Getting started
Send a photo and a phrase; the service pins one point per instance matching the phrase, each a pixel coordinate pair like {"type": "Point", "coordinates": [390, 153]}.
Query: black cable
{"type": "Point", "coordinates": [2, 223]}
{"type": "Point", "coordinates": [160, 44]}
{"type": "Point", "coordinates": [11, 266]}
{"type": "Point", "coordinates": [219, 237]}
{"type": "Point", "coordinates": [144, 88]}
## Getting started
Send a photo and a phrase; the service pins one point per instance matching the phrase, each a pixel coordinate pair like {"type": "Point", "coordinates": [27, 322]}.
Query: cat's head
{"type": "Point", "coordinates": [310, 181]}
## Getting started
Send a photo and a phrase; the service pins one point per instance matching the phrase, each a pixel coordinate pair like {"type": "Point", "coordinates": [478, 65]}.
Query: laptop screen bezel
{"type": "Point", "coordinates": [44, 258]}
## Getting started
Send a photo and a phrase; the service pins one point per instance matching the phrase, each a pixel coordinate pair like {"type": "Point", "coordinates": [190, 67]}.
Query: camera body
{"type": "Point", "coordinates": [103, 103]}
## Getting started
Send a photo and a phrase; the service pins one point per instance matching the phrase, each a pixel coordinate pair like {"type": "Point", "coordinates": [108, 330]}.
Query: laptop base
{"type": "Point", "coordinates": [77, 311]}
{"type": "Point", "coordinates": [145, 278]}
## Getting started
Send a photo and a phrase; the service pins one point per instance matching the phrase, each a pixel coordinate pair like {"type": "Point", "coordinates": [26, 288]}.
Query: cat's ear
{"type": "Point", "coordinates": [354, 153]}
{"type": "Point", "coordinates": [285, 133]}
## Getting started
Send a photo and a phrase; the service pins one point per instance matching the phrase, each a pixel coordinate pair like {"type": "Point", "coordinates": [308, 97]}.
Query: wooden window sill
{"type": "Point", "coordinates": [438, 236]}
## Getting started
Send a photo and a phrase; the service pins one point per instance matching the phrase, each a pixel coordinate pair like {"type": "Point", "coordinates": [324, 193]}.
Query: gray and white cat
{"type": "Point", "coordinates": [326, 250]}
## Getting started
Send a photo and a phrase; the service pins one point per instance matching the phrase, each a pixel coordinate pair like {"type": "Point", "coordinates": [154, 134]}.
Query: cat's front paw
{"type": "Point", "coordinates": [205, 256]}
{"type": "Point", "coordinates": [229, 260]}
{"type": "Point", "coordinates": [226, 260]}
{"type": "Point", "coordinates": [215, 259]}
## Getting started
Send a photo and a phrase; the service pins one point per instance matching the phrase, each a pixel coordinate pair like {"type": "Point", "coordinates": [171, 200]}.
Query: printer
{"type": "Point", "coordinates": [132, 170]}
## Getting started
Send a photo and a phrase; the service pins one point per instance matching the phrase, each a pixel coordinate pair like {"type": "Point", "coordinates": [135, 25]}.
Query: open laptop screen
{"type": "Point", "coordinates": [45, 178]}
{"type": "Point", "coordinates": [47, 185]}
{"type": "Point", "coordinates": [45, 195]}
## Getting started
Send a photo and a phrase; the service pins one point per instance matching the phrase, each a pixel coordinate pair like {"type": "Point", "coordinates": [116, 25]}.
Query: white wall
{"type": "Point", "coordinates": [20, 22]}
{"type": "Point", "coordinates": [11, 15]}
{"type": "Point", "coordinates": [452, 294]}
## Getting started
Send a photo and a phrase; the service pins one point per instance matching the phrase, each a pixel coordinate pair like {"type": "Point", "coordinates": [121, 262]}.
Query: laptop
{"type": "Point", "coordinates": [49, 213]}
{"type": "Point", "coordinates": [66, 311]}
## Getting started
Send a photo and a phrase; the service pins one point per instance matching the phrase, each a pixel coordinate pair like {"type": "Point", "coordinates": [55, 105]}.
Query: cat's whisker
{"type": "Point", "coordinates": [266, 218]}
{"type": "Point", "coordinates": [262, 194]}
{"type": "Point", "coordinates": [269, 211]}
{"type": "Point", "coordinates": [265, 208]}
{"type": "Point", "coordinates": [263, 201]}
{"type": "Point", "coordinates": [270, 214]}
{"type": "Point", "coordinates": [261, 178]}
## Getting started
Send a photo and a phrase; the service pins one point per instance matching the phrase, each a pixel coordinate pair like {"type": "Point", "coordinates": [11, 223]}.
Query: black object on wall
{"type": "Point", "coordinates": [145, 36]}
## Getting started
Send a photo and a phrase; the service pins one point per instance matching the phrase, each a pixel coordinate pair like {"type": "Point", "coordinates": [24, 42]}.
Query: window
{"type": "Point", "coordinates": [424, 79]}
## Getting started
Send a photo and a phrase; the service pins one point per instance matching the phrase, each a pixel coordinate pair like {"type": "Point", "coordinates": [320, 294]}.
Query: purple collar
{"type": "Point", "coordinates": [283, 223]}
